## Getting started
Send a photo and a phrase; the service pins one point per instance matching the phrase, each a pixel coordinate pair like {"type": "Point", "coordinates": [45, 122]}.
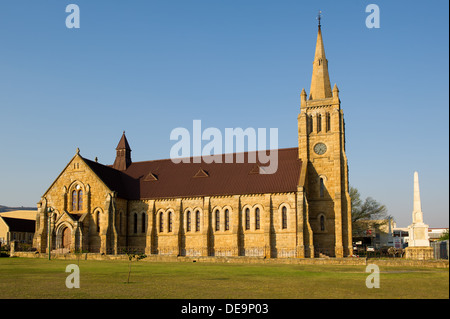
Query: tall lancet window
{"type": "Point", "coordinates": [247, 219]}
{"type": "Point", "coordinates": [188, 220]}
{"type": "Point", "coordinates": [98, 222]}
{"type": "Point", "coordinates": [284, 217]}
{"type": "Point", "coordinates": [197, 220]}
{"type": "Point", "coordinates": [319, 122]}
{"type": "Point", "coordinates": [74, 200]}
{"type": "Point", "coordinates": [143, 222]}
{"type": "Point", "coordinates": [135, 223]}
{"type": "Point", "coordinates": [257, 219]}
{"type": "Point", "coordinates": [80, 199]}
{"type": "Point", "coordinates": [227, 219]}
{"type": "Point", "coordinates": [328, 121]}
{"type": "Point", "coordinates": [322, 223]}
{"type": "Point", "coordinates": [170, 222]}
{"type": "Point", "coordinates": [322, 187]}
{"type": "Point", "coordinates": [309, 123]}
{"type": "Point", "coordinates": [217, 216]}
{"type": "Point", "coordinates": [161, 222]}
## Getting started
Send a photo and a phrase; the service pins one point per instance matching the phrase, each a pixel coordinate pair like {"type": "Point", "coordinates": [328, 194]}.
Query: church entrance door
{"type": "Point", "coordinates": [66, 238]}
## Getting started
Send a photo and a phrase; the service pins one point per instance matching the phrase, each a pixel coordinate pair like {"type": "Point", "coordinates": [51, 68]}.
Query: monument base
{"type": "Point", "coordinates": [419, 253]}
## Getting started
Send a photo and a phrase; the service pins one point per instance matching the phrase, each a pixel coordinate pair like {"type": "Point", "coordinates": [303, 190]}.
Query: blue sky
{"type": "Point", "coordinates": [147, 67]}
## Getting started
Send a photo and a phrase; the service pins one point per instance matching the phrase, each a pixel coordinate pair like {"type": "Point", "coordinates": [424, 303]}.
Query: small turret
{"type": "Point", "coordinates": [335, 92]}
{"type": "Point", "coordinates": [123, 154]}
{"type": "Point", "coordinates": [303, 98]}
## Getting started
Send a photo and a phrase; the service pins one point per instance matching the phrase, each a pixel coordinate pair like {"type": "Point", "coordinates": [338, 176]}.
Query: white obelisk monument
{"type": "Point", "coordinates": [418, 244]}
{"type": "Point", "coordinates": [418, 231]}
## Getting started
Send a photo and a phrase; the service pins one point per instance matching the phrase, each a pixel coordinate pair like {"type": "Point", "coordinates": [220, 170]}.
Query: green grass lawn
{"type": "Point", "coordinates": [41, 278]}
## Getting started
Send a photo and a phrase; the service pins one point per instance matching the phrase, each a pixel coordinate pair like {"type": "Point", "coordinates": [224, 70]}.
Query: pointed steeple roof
{"type": "Point", "coordinates": [123, 154]}
{"type": "Point", "coordinates": [320, 82]}
{"type": "Point", "coordinates": [123, 143]}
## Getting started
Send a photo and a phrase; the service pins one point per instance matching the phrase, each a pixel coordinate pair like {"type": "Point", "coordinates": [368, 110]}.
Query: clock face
{"type": "Point", "coordinates": [320, 148]}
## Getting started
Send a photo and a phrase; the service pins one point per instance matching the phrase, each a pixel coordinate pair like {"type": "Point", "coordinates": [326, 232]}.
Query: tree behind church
{"type": "Point", "coordinates": [364, 211]}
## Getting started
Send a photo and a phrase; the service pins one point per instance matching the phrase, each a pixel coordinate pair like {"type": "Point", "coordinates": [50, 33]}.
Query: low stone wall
{"type": "Point", "coordinates": [251, 260]}
{"type": "Point", "coordinates": [259, 260]}
{"type": "Point", "coordinates": [69, 256]}
{"type": "Point", "coordinates": [433, 263]}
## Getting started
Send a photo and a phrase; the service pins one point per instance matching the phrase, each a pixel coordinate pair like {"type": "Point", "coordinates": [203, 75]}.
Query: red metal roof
{"type": "Point", "coordinates": [165, 179]}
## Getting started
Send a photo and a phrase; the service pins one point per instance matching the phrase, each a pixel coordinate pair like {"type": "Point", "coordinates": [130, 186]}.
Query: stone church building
{"type": "Point", "coordinates": [215, 209]}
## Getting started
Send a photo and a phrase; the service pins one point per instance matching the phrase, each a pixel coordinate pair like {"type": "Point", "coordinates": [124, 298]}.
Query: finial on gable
{"type": "Point", "coordinates": [78, 151]}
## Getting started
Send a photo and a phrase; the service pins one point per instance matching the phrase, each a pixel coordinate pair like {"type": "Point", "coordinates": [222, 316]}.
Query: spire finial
{"type": "Point", "coordinates": [320, 81]}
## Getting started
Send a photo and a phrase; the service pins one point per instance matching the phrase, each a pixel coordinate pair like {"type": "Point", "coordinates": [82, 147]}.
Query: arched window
{"type": "Point", "coordinates": [80, 199]}
{"type": "Point", "coordinates": [247, 219]}
{"type": "Point", "coordinates": [319, 122]}
{"type": "Point", "coordinates": [257, 218]}
{"type": "Point", "coordinates": [322, 187]}
{"type": "Point", "coordinates": [309, 123]}
{"type": "Point", "coordinates": [217, 215]}
{"type": "Point", "coordinates": [227, 219]}
{"type": "Point", "coordinates": [135, 223]}
{"type": "Point", "coordinates": [322, 222]}
{"type": "Point", "coordinates": [284, 217]}
{"type": "Point", "coordinates": [197, 220]}
{"type": "Point", "coordinates": [161, 222]}
{"type": "Point", "coordinates": [74, 200]}
{"type": "Point", "coordinates": [98, 222]}
{"type": "Point", "coordinates": [143, 222]}
{"type": "Point", "coordinates": [169, 222]}
{"type": "Point", "coordinates": [188, 220]}
{"type": "Point", "coordinates": [328, 121]}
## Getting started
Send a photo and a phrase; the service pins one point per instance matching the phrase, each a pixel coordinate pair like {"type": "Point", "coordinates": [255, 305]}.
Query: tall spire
{"type": "Point", "coordinates": [320, 82]}
{"type": "Point", "coordinates": [123, 154]}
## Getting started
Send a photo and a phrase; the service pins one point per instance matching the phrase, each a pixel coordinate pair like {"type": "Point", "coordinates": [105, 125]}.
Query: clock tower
{"type": "Point", "coordinates": [321, 143]}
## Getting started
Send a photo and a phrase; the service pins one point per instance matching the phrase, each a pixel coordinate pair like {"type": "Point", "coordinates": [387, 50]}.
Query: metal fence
{"type": "Point", "coordinates": [21, 246]}
{"type": "Point", "coordinates": [384, 252]}
{"type": "Point", "coordinates": [440, 249]}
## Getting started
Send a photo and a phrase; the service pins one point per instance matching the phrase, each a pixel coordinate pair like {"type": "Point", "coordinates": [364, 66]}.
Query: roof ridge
{"type": "Point", "coordinates": [223, 154]}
